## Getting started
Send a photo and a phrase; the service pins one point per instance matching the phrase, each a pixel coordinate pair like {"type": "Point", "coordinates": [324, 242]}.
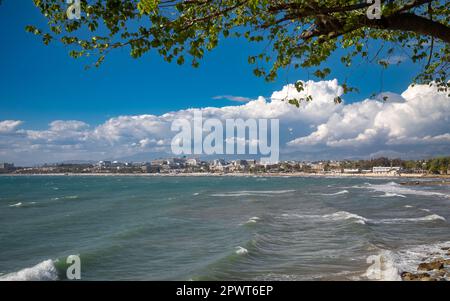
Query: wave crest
{"type": "Point", "coordinates": [253, 220]}
{"type": "Point", "coordinates": [241, 251]}
{"type": "Point", "coordinates": [44, 271]}
{"type": "Point", "coordinates": [336, 193]}
{"type": "Point", "coordinates": [344, 215]}
{"type": "Point", "coordinates": [431, 217]}
{"type": "Point", "coordinates": [251, 193]}
{"type": "Point", "coordinates": [336, 216]}
{"type": "Point", "coordinates": [394, 189]}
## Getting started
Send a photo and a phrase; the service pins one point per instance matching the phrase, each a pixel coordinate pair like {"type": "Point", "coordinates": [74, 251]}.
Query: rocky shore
{"type": "Point", "coordinates": [425, 183]}
{"type": "Point", "coordinates": [431, 269]}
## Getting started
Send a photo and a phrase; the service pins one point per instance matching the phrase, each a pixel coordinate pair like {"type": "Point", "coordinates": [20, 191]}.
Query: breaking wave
{"type": "Point", "coordinates": [252, 220]}
{"type": "Point", "coordinates": [251, 193]}
{"type": "Point", "coordinates": [241, 251]}
{"type": "Point", "coordinates": [396, 189]}
{"type": "Point", "coordinates": [20, 204]}
{"type": "Point", "coordinates": [344, 215]}
{"type": "Point", "coordinates": [68, 197]}
{"type": "Point", "coordinates": [336, 216]}
{"type": "Point", "coordinates": [389, 265]}
{"type": "Point", "coordinates": [431, 217]}
{"type": "Point", "coordinates": [390, 194]}
{"type": "Point", "coordinates": [44, 271]}
{"type": "Point", "coordinates": [336, 193]}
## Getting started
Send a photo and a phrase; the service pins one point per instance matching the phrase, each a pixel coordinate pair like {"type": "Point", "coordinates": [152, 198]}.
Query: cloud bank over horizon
{"type": "Point", "coordinates": [413, 124]}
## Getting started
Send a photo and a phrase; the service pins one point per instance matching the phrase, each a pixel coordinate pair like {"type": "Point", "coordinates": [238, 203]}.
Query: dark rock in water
{"type": "Point", "coordinates": [439, 260]}
{"type": "Point", "coordinates": [425, 183]}
{"type": "Point", "coordinates": [407, 276]}
{"type": "Point", "coordinates": [432, 268]}
{"type": "Point", "coordinates": [429, 266]}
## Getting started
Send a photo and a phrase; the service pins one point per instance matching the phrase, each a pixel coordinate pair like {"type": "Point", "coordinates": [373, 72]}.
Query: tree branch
{"type": "Point", "coordinates": [412, 23]}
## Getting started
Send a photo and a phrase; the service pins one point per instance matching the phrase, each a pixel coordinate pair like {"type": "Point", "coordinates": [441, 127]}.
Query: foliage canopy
{"type": "Point", "coordinates": [296, 33]}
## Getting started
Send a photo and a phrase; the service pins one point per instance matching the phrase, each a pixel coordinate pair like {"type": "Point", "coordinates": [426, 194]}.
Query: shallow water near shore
{"type": "Point", "coordinates": [217, 228]}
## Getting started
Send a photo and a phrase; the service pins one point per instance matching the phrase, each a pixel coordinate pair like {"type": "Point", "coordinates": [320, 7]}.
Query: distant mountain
{"type": "Point", "coordinates": [142, 157]}
{"type": "Point", "coordinates": [77, 162]}
{"type": "Point", "coordinates": [146, 157]}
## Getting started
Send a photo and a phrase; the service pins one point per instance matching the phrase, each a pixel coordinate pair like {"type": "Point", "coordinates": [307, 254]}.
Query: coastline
{"type": "Point", "coordinates": [206, 174]}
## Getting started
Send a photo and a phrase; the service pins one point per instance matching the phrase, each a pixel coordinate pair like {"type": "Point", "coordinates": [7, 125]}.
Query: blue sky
{"type": "Point", "coordinates": [41, 83]}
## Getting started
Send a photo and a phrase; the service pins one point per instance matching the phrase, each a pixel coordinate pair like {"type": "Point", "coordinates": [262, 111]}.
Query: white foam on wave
{"type": "Point", "coordinates": [251, 193]}
{"type": "Point", "coordinates": [334, 217]}
{"type": "Point", "coordinates": [431, 217]}
{"type": "Point", "coordinates": [390, 195]}
{"type": "Point", "coordinates": [241, 251]}
{"type": "Point", "coordinates": [388, 265]}
{"type": "Point", "coordinates": [408, 206]}
{"type": "Point", "coordinates": [44, 271]}
{"type": "Point", "coordinates": [20, 204]}
{"type": "Point", "coordinates": [196, 193]}
{"type": "Point", "coordinates": [336, 193]}
{"type": "Point", "coordinates": [68, 197]}
{"type": "Point", "coordinates": [344, 215]}
{"type": "Point", "coordinates": [394, 188]}
{"type": "Point", "coordinates": [253, 220]}
{"type": "Point", "coordinates": [296, 215]}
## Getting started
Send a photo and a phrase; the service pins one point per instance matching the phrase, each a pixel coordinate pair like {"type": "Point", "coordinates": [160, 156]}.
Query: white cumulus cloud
{"type": "Point", "coordinates": [420, 115]}
{"type": "Point", "coordinates": [8, 126]}
{"type": "Point", "coordinates": [414, 123]}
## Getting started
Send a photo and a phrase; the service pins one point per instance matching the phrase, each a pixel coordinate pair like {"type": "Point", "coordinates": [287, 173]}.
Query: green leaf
{"type": "Point", "coordinates": [147, 7]}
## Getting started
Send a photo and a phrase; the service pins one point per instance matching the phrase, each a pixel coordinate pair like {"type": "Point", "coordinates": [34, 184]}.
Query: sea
{"type": "Point", "coordinates": [219, 228]}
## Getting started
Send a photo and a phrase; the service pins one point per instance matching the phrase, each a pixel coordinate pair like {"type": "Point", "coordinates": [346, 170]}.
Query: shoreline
{"type": "Point", "coordinates": [275, 175]}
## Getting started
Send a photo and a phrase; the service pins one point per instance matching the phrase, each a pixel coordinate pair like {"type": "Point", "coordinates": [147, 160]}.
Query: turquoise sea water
{"type": "Point", "coordinates": [216, 228]}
